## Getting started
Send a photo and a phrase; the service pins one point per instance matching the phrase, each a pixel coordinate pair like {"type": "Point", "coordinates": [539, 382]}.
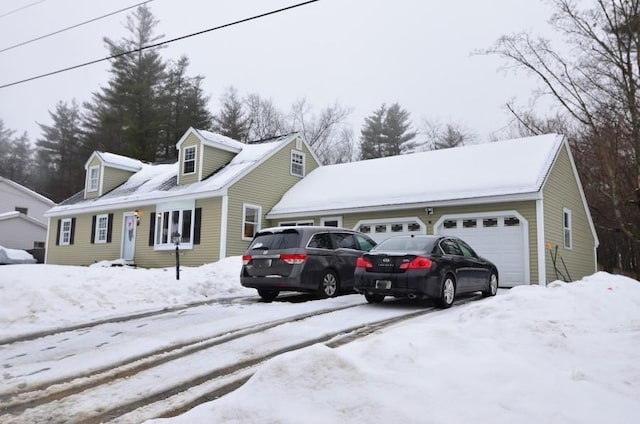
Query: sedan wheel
{"type": "Point", "coordinates": [448, 292]}
{"type": "Point", "coordinates": [492, 290]}
{"type": "Point", "coordinates": [329, 284]}
{"type": "Point", "coordinates": [374, 298]}
{"type": "Point", "coordinates": [268, 294]}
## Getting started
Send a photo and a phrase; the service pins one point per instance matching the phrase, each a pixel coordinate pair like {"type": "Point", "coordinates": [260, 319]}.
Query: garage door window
{"type": "Point", "coordinates": [489, 222]}
{"type": "Point", "coordinates": [450, 223]}
{"type": "Point", "coordinates": [366, 229]}
{"type": "Point", "coordinates": [469, 223]}
{"type": "Point", "coordinates": [511, 221]}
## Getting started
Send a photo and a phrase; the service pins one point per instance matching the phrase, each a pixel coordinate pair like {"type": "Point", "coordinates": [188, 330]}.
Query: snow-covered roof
{"type": "Point", "coordinates": [219, 140]}
{"type": "Point", "coordinates": [153, 182]}
{"type": "Point", "coordinates": [13, 215]}
{"type": "Point", "coordinates": [117, 161]}
{"type": "Point", "coordinates": [510, 167]}
{"type": "Point", "coordinates": [28, 191]}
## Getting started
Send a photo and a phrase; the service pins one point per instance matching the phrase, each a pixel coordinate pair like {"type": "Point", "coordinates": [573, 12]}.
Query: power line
{"type": "Point", "coordinates": [115, 56]}
{"type": "Point", "coordinates": [74, 26]}
{"type": "Point", "coordinates": [21, 8]}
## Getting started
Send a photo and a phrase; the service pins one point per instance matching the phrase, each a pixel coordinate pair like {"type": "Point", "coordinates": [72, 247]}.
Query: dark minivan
{"type": "Point", "coordinates": [303, 258]}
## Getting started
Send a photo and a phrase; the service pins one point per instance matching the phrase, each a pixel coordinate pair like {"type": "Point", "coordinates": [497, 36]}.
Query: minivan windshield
{"type": "Point", "coordinates": [276, 241]}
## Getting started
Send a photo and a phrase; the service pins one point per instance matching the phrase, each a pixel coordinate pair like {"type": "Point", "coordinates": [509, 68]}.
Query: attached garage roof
{"type": "Point", "coordinates": [503, 168]}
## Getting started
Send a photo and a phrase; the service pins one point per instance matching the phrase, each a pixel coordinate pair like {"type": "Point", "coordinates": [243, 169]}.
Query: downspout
{"type": "Point", "coordinates": [542, 259]}
{"type": "Point", "coordinates": [46, 243]}
{"type": "Point", "coordinates": [223, 226]}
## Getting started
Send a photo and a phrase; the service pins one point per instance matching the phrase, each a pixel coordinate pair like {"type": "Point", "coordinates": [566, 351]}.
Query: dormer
{"type": "Point", "coordinates": [201, 153]}
{"type": "Point", "coordinates": [106, 171]}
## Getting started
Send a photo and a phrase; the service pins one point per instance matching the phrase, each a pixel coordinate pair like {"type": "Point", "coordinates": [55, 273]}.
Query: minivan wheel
{"type": "Point", "coordinates": [328, 284]}
{"type": "Point", "coordinates": [448, 293]}
{"type": "Point", "coordinates": [268, 294]}
{"type": "Point", "coordinates": [374, 298]}
{"type": "Point", "coordinates": [492, 290]}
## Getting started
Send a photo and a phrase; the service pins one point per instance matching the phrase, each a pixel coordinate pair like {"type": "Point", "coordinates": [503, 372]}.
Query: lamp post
{"type": "Point", "coordinates": [175, 238]}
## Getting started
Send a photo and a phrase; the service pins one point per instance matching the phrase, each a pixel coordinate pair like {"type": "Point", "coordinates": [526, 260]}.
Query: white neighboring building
{"type": "Point", "coordinates": [22, 222]}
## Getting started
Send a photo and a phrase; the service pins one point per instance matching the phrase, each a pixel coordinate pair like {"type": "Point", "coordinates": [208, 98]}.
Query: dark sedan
{"type": "Point", "coordinates": [416, 266]}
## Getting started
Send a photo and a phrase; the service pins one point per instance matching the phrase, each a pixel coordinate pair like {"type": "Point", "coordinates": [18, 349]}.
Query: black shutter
{"type": "Point", "coordinates": [109, 227]}
{"type": "Point", "coordinates": [58, 234]}
{"type": "Point", "coordinates": [152, 227]}
{"type": "Point", "coordinates": [196, 226]}
{"type": "Point", "coordinates": [73, 230]}
{"type": "Point", "coordinates": [93, 229]}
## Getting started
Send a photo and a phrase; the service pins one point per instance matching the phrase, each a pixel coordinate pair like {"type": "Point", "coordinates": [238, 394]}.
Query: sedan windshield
{"type": "Point", "coordinates": [406, 244]}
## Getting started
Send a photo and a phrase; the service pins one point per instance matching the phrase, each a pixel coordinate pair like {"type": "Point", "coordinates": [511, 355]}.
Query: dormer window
{"type": "Point", "coordinates": [189, 162]}
{"type": "Point", "coordinates": [297, 163]}
{"type": "Point", "coordinates": [94, 174]}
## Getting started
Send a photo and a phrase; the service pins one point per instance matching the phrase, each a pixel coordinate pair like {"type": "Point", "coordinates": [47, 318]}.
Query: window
{"type": "Point", "coordinates": [297, 163]}
{"type": "Point", "coordinates": [94, 174]}
{"type": "Point", "coordinates": [102, 225]}
{"type": "Point", "coordinates": [450, 223]}
{"type": "Point", "coordinates": [189, 162]}
{"type": "Point", "coordinates": [366, 244]}
{"type": "Point", "coordinates": [365, 228]}
{"type": "Point", "coordinates": [38, 245]}
{"type": "Point", "coordinates": [174, 222]}
{"type": "Point", "coordinates": [469, 223]}
{"type": "Point", "coordinates": [566, 219]}
{"type": "Point", "coordinates": [251, 216]}
{"type": "Point", "coordinates": [413, 226]}
{"type": "Point", "coordinates": [511, 221]}
{"type": "Point", "coordinates": [331, 221]}
{"type": "Point", "coordinates": [22, 210]}
{"type": "Point", "coordinates": [490, 222]}
{"type": "Point", "coordinates": [396, 228]}
{"type": "Point", "coordinates": [345, 241]}
{"type": "Point", "coordinates": [65, 232]}
{"type": "Point", "coordinates": [295, 224]}
{"type": "Point", "coordinates": [320, 241]}
{"type": "Point", "coordinates": [381, 228]}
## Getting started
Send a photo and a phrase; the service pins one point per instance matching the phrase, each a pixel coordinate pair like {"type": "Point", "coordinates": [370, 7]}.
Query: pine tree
{"type": "Point", "coordinates": [60, 153]}
{"type": "Point", "coordinates": [6, 137]}
{"type": "Point", "coordinates": [231, 120]}
{"type": "Point", "coordinates": [372, 142]}
{"type": "Point", "coordinates": [125, 117]}
{"type": "Point", "coordinates": [396, 132]}
{"type": "Point", "coordinates": [184, 106]}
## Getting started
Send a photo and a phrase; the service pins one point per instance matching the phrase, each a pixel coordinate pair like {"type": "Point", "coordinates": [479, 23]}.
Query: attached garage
{"type": "Point", "coordinates": [500, 237]}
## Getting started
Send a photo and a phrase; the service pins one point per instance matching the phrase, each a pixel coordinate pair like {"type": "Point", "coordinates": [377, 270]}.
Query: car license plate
{"type": "Point", "coordinates": [383, 284]}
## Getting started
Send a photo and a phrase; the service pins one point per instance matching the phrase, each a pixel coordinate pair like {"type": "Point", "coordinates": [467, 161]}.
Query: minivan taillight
{"type": "Point", "coordinates": [293, 258]}
{"type": "Point", "coordinates": [417, 263]}
{"type": "Point", "coordinates": [361, 262]}
{"type": "Point", "coordinates": [246, 259]}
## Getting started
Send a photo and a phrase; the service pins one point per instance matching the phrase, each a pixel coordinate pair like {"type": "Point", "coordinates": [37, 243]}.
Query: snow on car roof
{"type": "Point", "coordinates": [500, 168]}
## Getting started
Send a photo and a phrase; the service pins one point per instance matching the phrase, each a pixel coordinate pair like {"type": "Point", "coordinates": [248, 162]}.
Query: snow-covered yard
{"type": "Point", "coordinates": [567, 353]}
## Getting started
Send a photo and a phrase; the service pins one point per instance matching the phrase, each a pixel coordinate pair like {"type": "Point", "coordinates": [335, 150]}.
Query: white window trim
{"type": "Point", "coordinates": [184, 159]}
{"type": "Point", "coordinates": [387, 221]}
{"type": "Point", "coordinates": [90, 180]}
{"type": "Point", "coordinates": [244, 220]}
{"type": "Point", "coordinates": [296, 152]}
{"type": "Point", "coordinates": [96, 238]}
{"type": "Point", "coordinates": [61, 241]}
{"type": "Point", "coordinates": [324, 219]}
{"type": "Point", "coordinates": [295, 223]}
{"type": "Point", "coordinates": [568, 213]}
{"type": "Point", "coordinates": [172, 207]}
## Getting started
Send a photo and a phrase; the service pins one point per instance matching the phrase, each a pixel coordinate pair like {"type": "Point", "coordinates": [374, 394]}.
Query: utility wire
{"type": "Point", "coordinates": [74, 26]}
{"type": "Point", "coordinates": [115, 56]}
{"type": "Point", "coordinates": [21, 8]}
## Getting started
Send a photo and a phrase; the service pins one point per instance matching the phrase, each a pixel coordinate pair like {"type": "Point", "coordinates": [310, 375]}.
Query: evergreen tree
{"type": "Point", "coordinates": [396, 132]}
{"type": "Point", "coordinates": [125, 117]}
{"type": "Point", "coordinates": [61, 154]}
{"type": "Point", "coordinates": [231, 120]}
{"type": "Point", "coordinates": [6, 137]}
{"type": "Point", "coordinates": [386, 133]}
{"type": "Point", "coordinates": [185, 105]}
{"type": "Point", "coordinates": [372, 141]}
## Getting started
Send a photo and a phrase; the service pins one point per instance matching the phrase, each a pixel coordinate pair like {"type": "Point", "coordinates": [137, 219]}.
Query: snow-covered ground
{"type": "Point", "coordinates": [567, 353]}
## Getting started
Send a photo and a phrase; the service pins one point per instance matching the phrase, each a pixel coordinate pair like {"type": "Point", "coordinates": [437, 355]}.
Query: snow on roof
{"type": "Point", "coordinates": [28, 191]}
{"type": "Point", "coordinates": [220, 139]}
{"type": "Point", "coordinates": [13, 215]}
{"type": "Point", "coordinates": [118, 161]}
{"type": "Point", "coordinates": [493, 169]}
{"type": "Point", "coordinates": [158, 182]}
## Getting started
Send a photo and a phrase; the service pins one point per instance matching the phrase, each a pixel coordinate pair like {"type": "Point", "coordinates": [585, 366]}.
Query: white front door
{"type": "Point", "coordinates": [128, 236]}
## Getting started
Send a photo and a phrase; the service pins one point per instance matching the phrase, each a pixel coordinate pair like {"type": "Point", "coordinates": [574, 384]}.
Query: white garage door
{"type": "Point", "coordinates": [501, 239]}
{"type": "Point", "coordinates": [385, 228]}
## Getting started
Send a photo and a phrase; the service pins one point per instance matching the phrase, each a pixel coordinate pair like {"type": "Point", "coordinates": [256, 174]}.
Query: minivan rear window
{"type": "Point", "coordinates": [276, 241]}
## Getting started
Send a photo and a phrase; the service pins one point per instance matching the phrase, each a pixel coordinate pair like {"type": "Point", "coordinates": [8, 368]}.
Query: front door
{"type": "Point", "coordinates": [128, 236]}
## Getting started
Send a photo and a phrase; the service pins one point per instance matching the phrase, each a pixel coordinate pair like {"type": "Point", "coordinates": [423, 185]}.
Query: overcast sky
{"type": "Point", "coordinates": [360, 53]}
